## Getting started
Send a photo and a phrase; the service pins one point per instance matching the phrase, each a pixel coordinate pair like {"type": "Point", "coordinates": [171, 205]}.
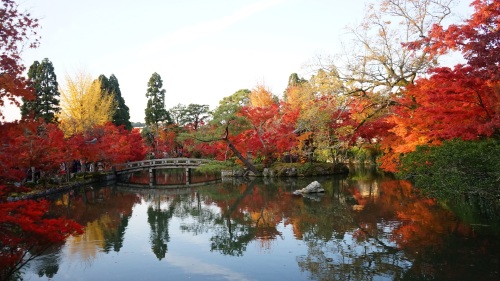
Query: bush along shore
{"type": "Point", "coordinates": [36, 191]}
{"type": "Point", "coordinates": [290, 170]}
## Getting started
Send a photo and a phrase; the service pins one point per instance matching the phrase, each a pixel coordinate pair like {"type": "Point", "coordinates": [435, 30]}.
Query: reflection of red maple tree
{"type": "Point", "coordinates": [420, 222]}
{"type": "Point", "coordinates": [27, 232]}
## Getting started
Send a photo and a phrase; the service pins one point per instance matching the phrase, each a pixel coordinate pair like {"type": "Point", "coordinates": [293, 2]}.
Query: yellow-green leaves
{"type": "Point", "coordinates": [82, 105]}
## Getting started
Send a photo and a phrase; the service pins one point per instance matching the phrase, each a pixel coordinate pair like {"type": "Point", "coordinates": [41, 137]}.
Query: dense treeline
{"type": "Point", "coordinates": [376, 105]}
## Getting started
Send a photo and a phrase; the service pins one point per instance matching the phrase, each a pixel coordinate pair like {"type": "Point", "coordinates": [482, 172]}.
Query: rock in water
{"type": "Point", "coordinates": [313, 187]}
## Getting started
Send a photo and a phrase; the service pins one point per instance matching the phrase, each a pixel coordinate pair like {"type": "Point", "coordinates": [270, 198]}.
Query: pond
{"type": "Point", "coordinates": [366, 226]}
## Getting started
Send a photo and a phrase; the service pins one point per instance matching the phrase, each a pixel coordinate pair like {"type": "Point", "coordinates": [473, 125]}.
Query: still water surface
{"type": "Point", "coordinates": [366, 226]}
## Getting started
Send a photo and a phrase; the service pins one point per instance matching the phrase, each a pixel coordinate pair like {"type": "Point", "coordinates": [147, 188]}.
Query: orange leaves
{"type": "Point", "coordinates": [261, 97]}
{"type": "Point", "coordinates": [477, 38]}
{"type": "Point", "coordinates": [269, 136]}
{"type": "Point", "coordinates": [463, 102]}
{"type": "Point", "coordinates": [303, 140]}
{"type": "Point", "coordinates": [420, 222]}
{"type": "Point", "coordinates": [450, 104]}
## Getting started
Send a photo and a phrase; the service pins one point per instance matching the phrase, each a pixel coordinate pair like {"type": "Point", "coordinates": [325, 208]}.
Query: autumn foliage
{"type": "Point", "coordinates": [321, 118]}
{"type": "Point", "coordinates": [27, 231]}
{"type": "Point", "coordinates": [271, 132]}
{"type": "Point", "coordinates": [31, 144]}
{"type": "Point", "coordinates": [461, 102]}
{"type": "Point", "coordinates": [108, 144]}
{"type": "Point", "coordinates": [16, 30]}
{"type": "Point", "coordinates": [26, 228]}
{"type": "Point", "coordinates": [331, 115]}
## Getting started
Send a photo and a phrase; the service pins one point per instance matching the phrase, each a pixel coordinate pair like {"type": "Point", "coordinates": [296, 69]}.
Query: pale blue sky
{"type": "Point", "coordinates": [203, 50]}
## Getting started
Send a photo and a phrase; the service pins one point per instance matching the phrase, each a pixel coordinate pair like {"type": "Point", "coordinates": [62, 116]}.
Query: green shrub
{"type": "Point", "coordinates": [215, 167]}
{"type": "Point", "coordinates": [455, 167]}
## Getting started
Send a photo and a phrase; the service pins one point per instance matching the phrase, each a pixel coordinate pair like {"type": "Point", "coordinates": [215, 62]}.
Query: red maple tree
{"type": "Point", "coordinates": [463, 102]}
{"type": "Point", "coordinates": [109, 144]}
{"type": "Point", "coordinates": [30, 144]}
{"type": "Point", "coordinates": [16, 30]}
{"type": "Point", "coordinates": [271, 133]}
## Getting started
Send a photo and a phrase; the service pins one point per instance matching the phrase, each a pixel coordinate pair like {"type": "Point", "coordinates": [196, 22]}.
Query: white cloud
{"type": "Point", "coordinates": [195, 266]}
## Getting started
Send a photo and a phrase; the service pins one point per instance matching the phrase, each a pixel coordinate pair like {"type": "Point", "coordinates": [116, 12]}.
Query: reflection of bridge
{"type": "Point", "coordinates": [154, 164]}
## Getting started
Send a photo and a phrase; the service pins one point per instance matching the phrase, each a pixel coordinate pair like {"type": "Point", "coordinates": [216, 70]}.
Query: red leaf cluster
{"type": "Point", "coordinates": [16, 30]}
{"type": "Point", "coordinates": [463, 102]}
{"type": "Point", "coordinates": [27, 232]}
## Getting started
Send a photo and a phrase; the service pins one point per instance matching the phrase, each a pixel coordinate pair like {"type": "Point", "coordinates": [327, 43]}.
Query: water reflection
{"type": "Point", "coordinates": [103, 211]}
{"type": "Point", "coordinates": [367, 226]}
{"type": "Point", "coordinates": [158, 217]}
{"type": "Point", "coordinates": [175, 177]}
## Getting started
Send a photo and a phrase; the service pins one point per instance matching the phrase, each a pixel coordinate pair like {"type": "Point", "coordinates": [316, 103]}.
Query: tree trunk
{"type": "Point", "coordinates": [243, 159]}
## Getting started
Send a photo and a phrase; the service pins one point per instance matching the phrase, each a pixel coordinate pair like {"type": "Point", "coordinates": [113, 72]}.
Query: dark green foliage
{"type": "Point", "coordinates": [148, 136]}
{"type": "Point", "coordinates": [215, 167]}
{"type": "Point", "coordinates": [121, 115]}
{"type": "Point", "coordinates": [455, 168]}
{"type": "Point", "coordinates": [159, 237]}
{"type": "Point", "coordinates": [177, 114]}
{"type": "Point", "coordinates": [193, 115]}
{"type": "Point", "coordinates": [43, 81]}
{"type": "Point", "coordinates": [294, 80]}
{"type": "Point", "coordinates": [114, 240]}
{"type": "Point", "coordinates": [225, 116]}
{"type": "Point", "coordinates": [307, 169]}
{"type": "Point", "coordinates": [155, 110]}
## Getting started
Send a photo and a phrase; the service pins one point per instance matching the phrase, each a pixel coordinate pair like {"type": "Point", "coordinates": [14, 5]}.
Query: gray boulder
{"type": "Point", "coordinates": [313, 187]}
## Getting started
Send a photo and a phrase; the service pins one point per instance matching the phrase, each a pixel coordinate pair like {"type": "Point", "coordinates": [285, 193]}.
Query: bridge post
{"type": "Point", "coordinates": [152, 177]}
{"type": "Point", "coordinates": [188, 176]}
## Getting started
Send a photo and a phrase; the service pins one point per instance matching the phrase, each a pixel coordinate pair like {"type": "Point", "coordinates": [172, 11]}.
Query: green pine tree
{"type": "Point", "coordinates": [155, 110]}
{"type": "Point", "coordinates": [121, 115]}
{"type": "Point", "coordinates": [43, 81]}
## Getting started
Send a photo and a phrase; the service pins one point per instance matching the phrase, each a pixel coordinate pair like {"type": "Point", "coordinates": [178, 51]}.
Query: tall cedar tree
{"type": "Point", "coordinates": [17, 30]}
{"type": "Point", "coordinates": [121, 115]}
{"type": "Point", "coordinates": [155, 110]}
{"type": "Point", "coordinates": [43, 81]}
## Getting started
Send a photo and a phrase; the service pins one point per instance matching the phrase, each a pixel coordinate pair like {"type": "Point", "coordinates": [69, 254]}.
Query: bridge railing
{"type": "Point", "coordinates": [166, 162]}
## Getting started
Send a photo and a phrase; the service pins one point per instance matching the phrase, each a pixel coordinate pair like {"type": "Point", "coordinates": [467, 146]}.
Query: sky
{"type": "Point", "coordinates": [203, 50]}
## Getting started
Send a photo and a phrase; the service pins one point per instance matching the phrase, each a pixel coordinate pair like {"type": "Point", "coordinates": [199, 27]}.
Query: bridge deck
{"type": "Point", "coordinates": [160, 163]}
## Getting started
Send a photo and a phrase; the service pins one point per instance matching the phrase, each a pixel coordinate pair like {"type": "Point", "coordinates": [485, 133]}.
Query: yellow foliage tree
{"type": "Point", "coordinates": [297, 97]}
{"type": "Point", "coordinates": [320, 102]}
{"type": "Point", "coordinates": [261, 97]}
{"type": "Point", "coordinates": [83, 106]}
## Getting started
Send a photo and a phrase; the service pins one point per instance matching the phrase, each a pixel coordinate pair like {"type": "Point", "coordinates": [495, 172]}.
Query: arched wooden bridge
{"type": "Point", "coordinates": [166, 163]}
{"type": "Point", "coordinates": [154, 164]}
